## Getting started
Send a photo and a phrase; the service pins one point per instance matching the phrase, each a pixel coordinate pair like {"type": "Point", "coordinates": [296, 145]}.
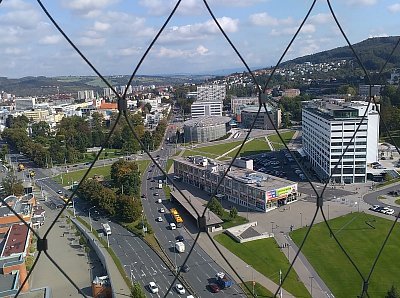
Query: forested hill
{"type": "Point", "coordinates": [373, 53]}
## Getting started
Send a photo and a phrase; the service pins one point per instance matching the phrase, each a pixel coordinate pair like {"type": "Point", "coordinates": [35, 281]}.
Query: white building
{"type": "Point", "coordinates": [237, 102]}
{"type": "Point", "coordinates": [85, 94]}
{"type": "Point", "coordinates": [107, 92]}
{"type": "Point", "coordinates": [363, 90]}
{"type": "Point", "coordinates": [22, 104]}
{"type": "Point", "coordinates": [329, 126]}
{"type": "Point", "coordinates": [211, 93]}
{"type": "Point", "coordinates": [206, 108]}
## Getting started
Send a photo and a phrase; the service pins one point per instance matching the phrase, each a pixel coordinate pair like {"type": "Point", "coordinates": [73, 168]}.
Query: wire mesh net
{"type": "Point", "coordinates": [321, 195]}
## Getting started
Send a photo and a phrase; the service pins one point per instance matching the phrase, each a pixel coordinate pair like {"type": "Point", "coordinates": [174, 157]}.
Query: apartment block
{"type": "Point", "coordinates": [206, 108]}
{"type": "Point", "coordinates": [211, 93]}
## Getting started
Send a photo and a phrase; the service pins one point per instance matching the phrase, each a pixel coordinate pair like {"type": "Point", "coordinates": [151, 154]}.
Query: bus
{"type": "Point", "coordinates": [106, 229]}
{"type": "Point", "coordinates": [177, 218]}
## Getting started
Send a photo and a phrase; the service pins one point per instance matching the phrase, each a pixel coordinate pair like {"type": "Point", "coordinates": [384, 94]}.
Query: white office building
{"type": "Point", "coordinates": [85, 94]}
{"type": "Point", "coordinates": [211, 93]}
{"type": "Point", "coordinates": [206, 108]}
{"type": "Point", "coordinates": [329, 126]}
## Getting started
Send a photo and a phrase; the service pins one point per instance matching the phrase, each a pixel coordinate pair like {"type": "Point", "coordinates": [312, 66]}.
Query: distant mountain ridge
{"type": "Point", "coordinates": [373, 52]}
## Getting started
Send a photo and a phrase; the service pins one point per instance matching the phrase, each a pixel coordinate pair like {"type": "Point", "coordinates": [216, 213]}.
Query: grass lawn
{"type": "Point", "coordinates": [255, 146]}
{"type": "Point", "coordinates": [265, 257]}
{"type": "Point", "coordinates": [228, 222]}
{"type": "Point", "coordinates": [195, 152]}
{"type": "Point", "coordinates": [170, 162]}
{"type": "Point", "coordinates": [219, 149]}
{"type": "Point", "coordinates": [397, 201]}
{"type": "Point", "coordinates": [104, 171]}
{"type": "Point", "coordinates": [276, 141]}
{"type": "Point", "coordinates": [388, 182]}
{"type": "Point", "coordinates": [259, 290]}
{"type": "Point", "coordinates": [362, 243]}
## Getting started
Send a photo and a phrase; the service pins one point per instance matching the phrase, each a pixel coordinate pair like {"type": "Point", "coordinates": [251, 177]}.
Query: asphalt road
{"type": "Point", "coordinates": [202, 267]}
{"type": "Point", "coordinates": [372, 198]}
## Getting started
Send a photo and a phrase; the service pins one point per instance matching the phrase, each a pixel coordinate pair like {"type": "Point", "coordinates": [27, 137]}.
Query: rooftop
{"type": "Point", "coordinates": [254, 109]}
{"type": "Point", "coordinates": [257, 179]}
{"type": "Point", "coordinates": [207, 121]}
{"type": "Point", "coordinates": [8, 282]}
{"type": "Point", "coordinates": [16, 240]}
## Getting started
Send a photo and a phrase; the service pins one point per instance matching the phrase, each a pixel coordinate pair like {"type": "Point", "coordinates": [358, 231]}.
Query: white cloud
{"type": "Point", "coordinates": [13, 51]}
{"type": "Point", "coordinates": [394, 8]}
{"type": "Point", "coordinates": [50, 39]}
{"type": "Point", "coordinates": [201, 50]}
{"type": "Point", "coordinates": [16, 4]}
{"type": "Point", "coordinates": [321, 18]}
{"type": "Point", "coordinates": [25, 19]}
{"type": "Point", "coordinates": [178, 53]}
{"type": "Point", "coordinates": [237, 3]}
{"type": "Point", "coordinates": [88, 8]}
{"type": "Point", "coordinates": [306, 29]}
{"type": "Point", "coordinates": [164, 7]}
{"type": "Point", "coordinates": [128, 51]}
{"type": "Point", "coordinates": [361, 2]}
{"type": "Point", "coordinates": [264, 19]}
{"type": "Point", "coordinates": [100, 26]}
{"type": "Point", "coordinates": [198, 31]}
{"type": "Point", "coordinates": [91, 41]}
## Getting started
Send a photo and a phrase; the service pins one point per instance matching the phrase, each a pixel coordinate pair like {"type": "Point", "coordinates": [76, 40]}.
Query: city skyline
{"type": "Point", "coordinates": [114, 34]}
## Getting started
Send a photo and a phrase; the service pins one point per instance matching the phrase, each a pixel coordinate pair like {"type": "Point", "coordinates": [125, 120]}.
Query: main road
{"type": "Point", "coordinates": [202, 267]}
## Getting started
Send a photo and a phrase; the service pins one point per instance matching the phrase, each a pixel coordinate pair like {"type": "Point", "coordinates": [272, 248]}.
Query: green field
{"type": "Point", "coordinates": [69, 178]}
{"type": "Point", "coordinates": [265, 257]}
{"type": "Point", "coordinates": [362, 242]}
{"type": "Point", "coordinates": [253, 147]}
{"type": "Point", "coordinates": [219, 149]}
{"type": "Point", "coordinates": [276, 141]}
{"type": "Point", "coordinates": [169, 164]}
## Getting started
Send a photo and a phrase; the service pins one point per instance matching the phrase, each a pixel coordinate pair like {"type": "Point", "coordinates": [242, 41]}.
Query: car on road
{"type": "Point", "coordinates": [143, 196]}
{"type": "Point", "coordinates": [162, 210]}
{"type": "Point", "coordinates": [214, 288]}
{"type": "Point", "coordinates": [387, 210]}
{"type": "Point", "coordinates": [390, 212]}
{"type": "Point", "coordinates": [172, 226]}
{"type": "Point", "coordinates": [59, 192]}
{"type": "Point", "coordinates": [185, 268]}
{"type": "Point", "coordinates": [180, 289]}
{"type": "Point", "coordinates": [159, 219]}
{"type": "Point", "coordinates": [153, 287]}
{"type": "Point", "coordinates": [179, 238]}
{"type": "Point", "coordinates": [156, 194]}
{"type": "Point", "coordinates": [374, 208]}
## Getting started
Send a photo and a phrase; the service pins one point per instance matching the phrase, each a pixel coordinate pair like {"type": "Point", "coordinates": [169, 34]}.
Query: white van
{"type": "Point", "coordinates": [172, 226]}
{"type": "Point", "coordinates": [159, 201]}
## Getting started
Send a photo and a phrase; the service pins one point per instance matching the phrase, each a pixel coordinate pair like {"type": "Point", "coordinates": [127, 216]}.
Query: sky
{"type": "Point", "coordinates": [114, 34]}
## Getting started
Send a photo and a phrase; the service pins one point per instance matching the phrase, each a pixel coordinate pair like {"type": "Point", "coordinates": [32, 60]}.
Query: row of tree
{"type": "Point", "coordinates": [73, 135]}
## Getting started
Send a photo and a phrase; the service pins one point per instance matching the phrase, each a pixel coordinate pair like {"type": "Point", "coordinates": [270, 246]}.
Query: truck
{"type": "Point", "coordinates": [160, 184]}
{"type": "Point", "coordinates": [106, 229]}
{"type": "Point", "coordinates": [180, 246]}
{"type": "Point", "coordinates": [223, 280]}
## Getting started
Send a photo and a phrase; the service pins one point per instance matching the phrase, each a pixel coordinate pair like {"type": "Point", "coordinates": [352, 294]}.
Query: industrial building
{"type": "Point", "coordinates": [242, 185]}
{"type": "Point", "coordinates": [206, 129]}
{"type": "Point", "coordinates": [329, 126]}
{"type": "Point", "coordinates": [248, 114]}
{"type": "Point", "coordinates": [206, 108]}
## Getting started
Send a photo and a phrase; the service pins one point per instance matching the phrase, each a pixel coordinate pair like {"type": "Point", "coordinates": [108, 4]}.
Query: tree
{"type": "Point", "coordinates": [137, 291]}
{"type": "Point", "coordinates": [4, 150]}
{"type": "Point", "coordinates": [129, 209]}
{"type": "Point", "coordinates": [147, 107]}
{"type": "Point", "coordinates": [40, 129]}
{"type": "Point", "coordinates": [12, 186]}
{"type": "Point", "coordinates": [216, 207]}
{"type": "Point", "coordinates": [393, 293]}
{"type": "Point", "coordinates": [126, 176]}
{"type": "Point", "coordinates": [233, 213]}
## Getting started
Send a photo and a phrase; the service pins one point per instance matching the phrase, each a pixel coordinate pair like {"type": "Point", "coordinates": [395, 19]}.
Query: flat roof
{"type": "Point", "coordinates": [207, 121]}
{"type": "Point", "coordinates": [257, 179]}
{"type": "Point", "coordinates": [16, 240]}
{"type": "Point", "coordinates": [8, 282]}
{"type": "Point", "coordinates": [211, 217]}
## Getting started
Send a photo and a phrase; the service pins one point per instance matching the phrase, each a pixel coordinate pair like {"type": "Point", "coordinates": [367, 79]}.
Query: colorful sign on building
{"type": "Point", "coordinates": [281, 192]}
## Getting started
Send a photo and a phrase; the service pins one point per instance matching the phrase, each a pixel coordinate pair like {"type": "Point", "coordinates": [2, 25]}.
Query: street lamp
{"type": "Point", "coordinates": [130, 271]}
{"type": "Point", "coordinates": [272, 227]}
{"type": "Point", "coordinates": [311, 279]}
{"type": "Point", "coordinates": [252, 277]}
{"type": "Point", "coordinates": [301, 219]}
{"type": "Point", "coordinates": [175, 252]}
{"type": "Point", "coordinates": [90, 219]}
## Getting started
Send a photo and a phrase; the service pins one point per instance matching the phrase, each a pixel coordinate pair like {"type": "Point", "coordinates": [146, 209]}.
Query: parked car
{"type": "Point", "coordinates": [172, 226]}
{"type": "Point", "coordinates": [162, 210]}
{"type": "Point", "coordinates": [373, 208]}
{"type": "Point", "coordinates": [180, 289]}
{"type": "Point", "coordinates": [179, 238]}
{"type": "Point", "coordinates": [153, 287]}
{"type": "Point", "coordinates": [390, 212]}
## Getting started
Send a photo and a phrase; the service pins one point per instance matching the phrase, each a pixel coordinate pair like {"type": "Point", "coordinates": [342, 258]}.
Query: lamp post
{"type": "Point", "coordinates": [90, 219]}
{"type": "Point", "coordinates": [252, 276]}
{"type": "Point", "coordinates": [311, 279]}
{"type": "Point", "coordinates": [301, 219]}
{"type": "Point", "coordinates": [130, 271]}
{"type": "Point", "coordinates": [175, 252]}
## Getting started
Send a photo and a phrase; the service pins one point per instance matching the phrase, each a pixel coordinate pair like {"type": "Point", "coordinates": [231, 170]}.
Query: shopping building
{"type": "Point", "coordinates": [242, 185]}
{"type": "Point", "coordinates": [332, 125]}
{"type": "Point", "coordinates": [206, 129]}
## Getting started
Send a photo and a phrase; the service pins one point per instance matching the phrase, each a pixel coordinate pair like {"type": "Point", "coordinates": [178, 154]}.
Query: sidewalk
{"type": "Point", "coordinates": [238, 264]}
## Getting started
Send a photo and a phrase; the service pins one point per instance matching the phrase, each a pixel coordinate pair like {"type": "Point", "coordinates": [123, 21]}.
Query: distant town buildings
{"type": "Point", "coordinates": [206, 128]}
{"type": "Point", "coordinates": [23, 104]}
{"type": "Point", "coordinates": [243, 186]}
{"type": "Point", "coordinates": [206, 108]}
{"type": "Point", "coordinates": [85, 95]}
{"type": "Point", "coordinates": [291, 93]}
{"type": "Point", "coordinates": [331, 126]}
{"type": "Point", "coordinates": [364, 90]}
{"type": "Point", "coordinates": [248, 114]}
{"type": "Point", "coordinates": [238, 102]}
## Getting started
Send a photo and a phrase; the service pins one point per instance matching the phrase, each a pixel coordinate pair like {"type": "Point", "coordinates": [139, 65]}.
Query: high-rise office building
{"type": "Point", "coordinates": [211, 93]}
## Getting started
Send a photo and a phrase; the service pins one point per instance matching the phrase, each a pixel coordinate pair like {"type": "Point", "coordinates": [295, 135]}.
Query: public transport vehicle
{"type": "Point", "coordinates": [177, 218]}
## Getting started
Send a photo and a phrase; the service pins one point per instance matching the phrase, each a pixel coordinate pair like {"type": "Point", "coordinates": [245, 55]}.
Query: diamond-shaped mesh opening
{"type": "Point", "coordinates": [207, 257]}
